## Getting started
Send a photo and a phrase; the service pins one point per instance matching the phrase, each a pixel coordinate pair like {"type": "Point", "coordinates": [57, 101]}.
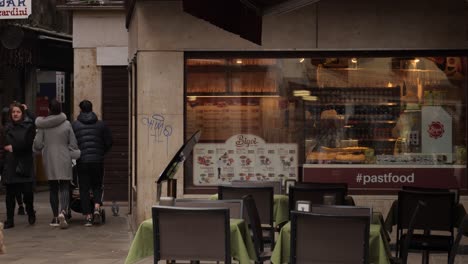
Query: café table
{"type": "Point", "coordinates": [280, 208]}
{"type": "Point", "coordinates": [379, 249]}
{"type": "Point", "coordinates": [242, 248]}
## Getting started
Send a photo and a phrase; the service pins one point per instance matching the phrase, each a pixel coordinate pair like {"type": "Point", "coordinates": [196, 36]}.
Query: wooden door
{"type": "Point", "coordinates": [115, 115]}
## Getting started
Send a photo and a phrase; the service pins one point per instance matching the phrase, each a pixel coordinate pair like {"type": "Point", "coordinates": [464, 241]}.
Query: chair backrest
{"type": "Point", "coordinates": [277, 186]}
{"type": "Point", "coordinates": [317, 238]}
{"type": "Point", "coordinates": [263, 197]}
{"type": "Point", "coordinates": [315, 195]}
{"type": "Point", "coordinates": [436, 215]}
{"type": "Point", "coordinates": [424, 189]}
{"type": "Point", "coordinates": [236, 207]}
{"type": "Point", "coordinates": [343, 185]}
{"type": "Point", "coordinates": [342, 210]}
{"type": "Point", "coordinates": [191, 234]}
{"type": "Point", "coordinates": [462, 230]}
{"type": "Point", "coordinates": [409, 235]}
{"type": "Point", "coordinates": [255, 224]}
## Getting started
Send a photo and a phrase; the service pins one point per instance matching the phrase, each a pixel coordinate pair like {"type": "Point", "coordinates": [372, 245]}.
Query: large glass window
{"type": "Point", "coordinates": [270, 118]}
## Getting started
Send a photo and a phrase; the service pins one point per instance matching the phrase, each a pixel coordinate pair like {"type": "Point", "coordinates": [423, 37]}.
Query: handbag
{"type": "Point", "coordinates": [21, 170]}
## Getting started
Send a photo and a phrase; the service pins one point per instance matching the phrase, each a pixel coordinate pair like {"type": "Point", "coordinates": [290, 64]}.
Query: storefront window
{"type": "Point", "coordinates": [361, 120]}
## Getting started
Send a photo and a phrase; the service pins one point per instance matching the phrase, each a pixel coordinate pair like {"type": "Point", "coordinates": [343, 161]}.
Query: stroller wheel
{"type": "Point", "coordinates": [103, 215]}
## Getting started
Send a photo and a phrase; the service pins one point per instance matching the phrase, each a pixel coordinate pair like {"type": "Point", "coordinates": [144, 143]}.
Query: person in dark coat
{"type": "Point", "coordinates": [19, 195]}
{"type": "Point", "coordinates": [17, 162]}
{"type": "Point", "coordinates": [94, 140]}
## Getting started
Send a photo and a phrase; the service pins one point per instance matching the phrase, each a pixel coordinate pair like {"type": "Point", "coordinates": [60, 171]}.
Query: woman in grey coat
{"type": "Point", "coordinates": [56, 140]}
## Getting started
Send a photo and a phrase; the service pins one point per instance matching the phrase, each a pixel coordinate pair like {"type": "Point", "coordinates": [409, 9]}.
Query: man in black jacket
{"type": "Point", "coordinates": [94, 140]}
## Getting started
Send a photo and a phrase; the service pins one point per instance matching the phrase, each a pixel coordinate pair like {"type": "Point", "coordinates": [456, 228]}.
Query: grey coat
{"type": "Point", "coordinates": [56, 140]}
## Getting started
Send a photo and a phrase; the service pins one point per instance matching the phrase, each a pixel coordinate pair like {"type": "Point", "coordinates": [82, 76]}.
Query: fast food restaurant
{"type": "Point", "coordinates": [371, 94]}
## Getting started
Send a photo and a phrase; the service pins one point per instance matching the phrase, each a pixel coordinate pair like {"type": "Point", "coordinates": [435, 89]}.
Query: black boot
{"type": "Point", "coordinates": [32, 218]}
{"type": "Point", "coordinates": [8, 224]}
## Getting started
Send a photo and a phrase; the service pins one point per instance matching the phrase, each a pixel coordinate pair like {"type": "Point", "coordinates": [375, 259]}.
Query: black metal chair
{"type": "Point", "coordinates": [277, 186]}
{"type": "Point", "coordinates": [425, 189]}
{"type": "Point", "coordinates": [263, 197]}
{"type": "Point", "coordinates": [437, 215]}
{"type": "Point", "coordinates": [256, 228]}
{"type": "Point", "coordinates": [461, 231]}
{"type": "Point", "coordinates": [343, 185]}
{"type": "Point", "coordinates": [236, 207]}
{"type": "Point", "coordinates": [404, 245]}
{"type": "Point", "coordinates": [315, 195]}
{"type": "Point", "coordinates": [191, 234]}
{"type": "Point", "coordinates": [324, 238]}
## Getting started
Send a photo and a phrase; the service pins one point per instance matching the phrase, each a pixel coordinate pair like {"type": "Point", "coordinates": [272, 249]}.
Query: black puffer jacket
{"type": "Point", "coordinates": [20, 136]}
{"type": "Point", "coordinates": [93, 136]}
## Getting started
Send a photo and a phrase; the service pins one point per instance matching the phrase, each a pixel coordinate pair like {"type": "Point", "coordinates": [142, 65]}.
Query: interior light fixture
{"type": "Point", "coordinates": [301, 93]}
{"type": "Point", "coordinates": [238, 61]}
{"type": "Point", "coordinates": [310, 98]}
{"type": "Point", "coordinates": [233, 96]}
{"type": "Point", "coordinates": [301, 60]}
{"type": "Point", "coordinates": [191, 98]}
{"type": "Point", "coordinates": [416, 60]}
{"type": "Point", "coordinates": [354, 60]}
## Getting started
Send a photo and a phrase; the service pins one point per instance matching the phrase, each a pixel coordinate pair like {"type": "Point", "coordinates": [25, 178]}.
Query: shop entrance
{"type": "Point", "coordinates": [115, 115]}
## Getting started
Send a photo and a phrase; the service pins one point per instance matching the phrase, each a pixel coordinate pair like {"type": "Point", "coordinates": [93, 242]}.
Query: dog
{"type": "Point", "coordinates": [2, 246]}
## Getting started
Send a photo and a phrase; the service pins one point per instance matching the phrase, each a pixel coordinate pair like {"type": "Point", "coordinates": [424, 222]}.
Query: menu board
{"type": "Point", "coordinates": [243, 157]}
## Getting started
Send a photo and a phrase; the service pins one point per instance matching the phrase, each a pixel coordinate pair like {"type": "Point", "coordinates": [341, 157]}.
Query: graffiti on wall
{"type": "Point", "coordinates": [158, 129]}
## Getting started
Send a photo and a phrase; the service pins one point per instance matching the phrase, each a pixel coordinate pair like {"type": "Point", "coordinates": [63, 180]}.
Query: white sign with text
{"type": "Point", "coordinates": [15, 9]}
{"type": "Point", "coordinates": [243, 157]}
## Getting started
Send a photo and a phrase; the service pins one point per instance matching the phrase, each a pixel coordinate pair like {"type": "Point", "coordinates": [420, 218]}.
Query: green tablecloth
{"type": "Point", "coordinates": [242, 248]}
{"type": "Point", "coordinates": [378, 246]}
{"type": "Point", "coordinates": [280, 208]}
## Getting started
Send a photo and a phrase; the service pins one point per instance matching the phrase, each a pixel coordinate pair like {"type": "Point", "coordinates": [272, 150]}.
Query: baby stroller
{"type": "Point", "coordinates": [75, 201]}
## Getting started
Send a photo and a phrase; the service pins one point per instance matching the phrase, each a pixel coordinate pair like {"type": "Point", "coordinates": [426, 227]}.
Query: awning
{"type": "Point", "coordinates": [241, 17]}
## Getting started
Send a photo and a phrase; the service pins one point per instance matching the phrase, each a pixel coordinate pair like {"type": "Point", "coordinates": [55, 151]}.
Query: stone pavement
{"type": "Point", "coordinates": [41, 243]}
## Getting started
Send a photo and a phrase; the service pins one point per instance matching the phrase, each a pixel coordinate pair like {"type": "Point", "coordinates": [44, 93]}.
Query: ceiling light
{"type": "Point", "coordinates": [354, 60]}
{"type": "Point", "coordinates": [309, 98]}
{"type": "Point", "coordinates": [301, 60]}
{"type": "Point", "coordinates": [301, 93]}
{"type": "Point", "coordinates": [239, 61]}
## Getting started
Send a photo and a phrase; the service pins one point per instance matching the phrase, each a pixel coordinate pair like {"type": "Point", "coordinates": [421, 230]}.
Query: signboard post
{"type": "Point", "coordinates": [15, 9]}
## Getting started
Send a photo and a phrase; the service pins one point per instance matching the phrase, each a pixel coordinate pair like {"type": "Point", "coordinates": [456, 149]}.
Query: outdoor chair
{"type": "Point", "coordinates": [263, 197]}
{"type": "Point", "coordinates": [403, 259]}
{"type": "Point", "coordinates": [461, 231]}
{"type": "Point", "coordinates": [324, 238]}
{"type": "Point", "coordinates": [236, 207]}
{"type": "Point", "coordinates": [315, 195]}
{"type": "Point", "coordinates": [193, 234]}
{"type": "Point", "coordinates": [437, 215]}
{"type": "Point", "coordinates": [425, 189]}
{"type": "Point", "coordinates": [256, 228]}
{"type": "Point", "coordinates": [277, 186]}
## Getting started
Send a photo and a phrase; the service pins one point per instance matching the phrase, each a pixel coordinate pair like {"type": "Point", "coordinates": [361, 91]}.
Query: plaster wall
{"type": "Point", "coordinates": [99, 29]}
{"type": "Point", "coordinates": [159, 121]}
{"type": "Point", "coordinates": [87, 80]}
{"type": "Point", "coordinates": [334, 24]}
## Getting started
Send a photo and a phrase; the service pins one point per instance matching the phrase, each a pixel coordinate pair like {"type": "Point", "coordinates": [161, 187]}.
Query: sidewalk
{"type": "Point", "coordinates": [41, 243]}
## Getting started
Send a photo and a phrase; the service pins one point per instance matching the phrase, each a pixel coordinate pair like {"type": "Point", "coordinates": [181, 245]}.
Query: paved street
{"type": "Point", "coordinates": [41, 243]}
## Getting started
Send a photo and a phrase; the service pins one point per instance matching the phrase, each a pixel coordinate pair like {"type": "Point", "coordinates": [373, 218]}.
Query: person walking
{"type": "Point", "coordinates": [19, 195]}
{"type": "Point", "coordinates": [17, 162]}
{"type": "Point", "coordinates": [57, 142]}
{"type": "Point", "coordinates": [94, 140]}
